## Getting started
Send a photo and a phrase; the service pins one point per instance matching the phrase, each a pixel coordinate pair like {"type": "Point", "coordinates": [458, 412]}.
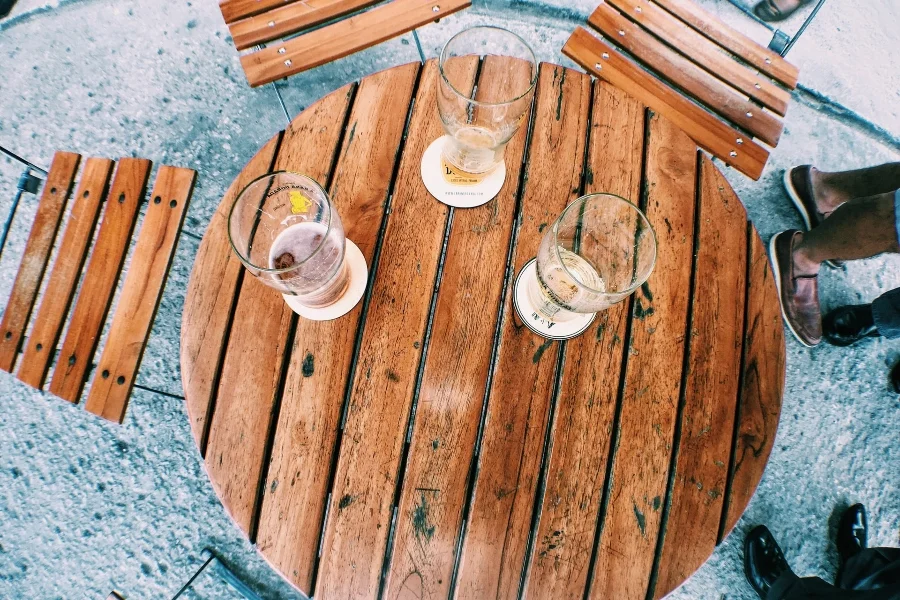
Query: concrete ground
{"type": "Point", "coordinates": [86, 506]}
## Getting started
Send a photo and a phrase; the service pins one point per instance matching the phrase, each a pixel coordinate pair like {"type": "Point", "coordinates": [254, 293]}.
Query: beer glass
{"type": "Point", "coordinates": [285, 230]}
{"type": "Point", "coordinates": [597, 253]}
{"type": "Point", "coordinates": [478, 130]}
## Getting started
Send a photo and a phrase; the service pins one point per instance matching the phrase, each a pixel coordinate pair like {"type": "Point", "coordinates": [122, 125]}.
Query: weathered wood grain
{"type": "Point", "coordinates": [642, 453]}
{"type": "Point", "coordinates": [25, 289]}
{"type": "Point", "coordinates": [63, 280]}
{"type": "Point", "coordinates": [519, 402]}
{"type": "Point", "coordinates": [256, 348]}
{"type": "Point", "coordinates": [239, 9]}
{"type": "Point", "coordinates": [210, 299]}
{"type": "Point", "coordinates": [141, 293]}
{"type": "Point", "coordinates": [429, 515]}
{"type": "Point", "coordinates": [99, 282]}
{"type": "Point", "coordinates": [382, 390]}
{"type": "Point", "coordinates": [590, 380]}
{"type": "Point", "coordinates": [759, 405]}
{"type": "Point", "coordinates": [711, 388]}
{"type": "Point", "coordinates": [293, 506]}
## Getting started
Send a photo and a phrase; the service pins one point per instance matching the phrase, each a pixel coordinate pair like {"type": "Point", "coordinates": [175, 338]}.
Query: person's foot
{"type": "Point", "coordinates": [798, 183]}
{"type": "Point", "coordinates": [764, 562]}
{"type": "Point", "coordinates": [777, 10]}
{"type": "Point", "coordinates": [799, 293]}
{"type": "Point", "coordinates": [852, 534]}
{"type": "Point", "coordinates": [846, 325]}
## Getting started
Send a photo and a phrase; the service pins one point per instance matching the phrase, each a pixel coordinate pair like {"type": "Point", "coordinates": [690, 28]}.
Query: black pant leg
{"type": "Point", "coordinates": [873, 569]}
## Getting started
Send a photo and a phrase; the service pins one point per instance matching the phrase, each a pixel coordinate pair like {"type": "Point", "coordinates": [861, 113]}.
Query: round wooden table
{"type": "Point", "coordinates": [427, 442]}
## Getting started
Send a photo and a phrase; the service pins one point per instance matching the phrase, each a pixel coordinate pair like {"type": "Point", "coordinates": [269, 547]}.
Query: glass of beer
{"type": "Point", "coordinates": [480, 120]}
{"type": "Point", "coordinates": [597, 253]}
{"type": "Point", "coordinates": [285, 230]}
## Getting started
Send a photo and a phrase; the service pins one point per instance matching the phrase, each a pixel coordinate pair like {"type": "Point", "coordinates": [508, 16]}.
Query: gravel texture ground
{"type": "Point", "coordinates": [86, 506]}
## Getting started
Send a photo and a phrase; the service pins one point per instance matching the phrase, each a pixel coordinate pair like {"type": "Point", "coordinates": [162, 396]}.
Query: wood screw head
{"type": "Point", "coordinates": [732, 153]}
{"type": "Point", "coordinates": [749, 114]}
{"type": "Point", "coordinates": [740, 140]}
{"type": "Point", "coordinates": [173, 203]}
{"type": "Point", "coordinates": [72, 360]}
{"type": "Point", "coordinates": [120, 379]}
{"type": "Point", "coordinates": [768, 61]}
{"type": "Point", "coordinates": [85, 194]}
{"type": "Point", "coordinates": [271, 23]}
{"type": "Point", "coordinates": [53, 190]}
{"type": "Point", "coordinates": [621, 32]}
{"type": "Point", "coordinates": [435, 8]}
{"type": "Point", "coordinates": [8, 335]}
{"type": "Point", "coordinates": [605, 55]}
{"type": "Point", "coordinates": [39, 347]}
{"type": "Point", "coordinates": [105, 374]}
{"type": "Point", "coordinates": [288, 62]}
{"type": "Point", "coordinates": [281, 51]}
{"type": "Point", "coordinates": [757, 86]}
{"type": "Point", "coordinates": [122, 198]}
{"type": "Point", "coordinates": [598, 66]}
{"type": "Point", "coordinates": [157, 200]}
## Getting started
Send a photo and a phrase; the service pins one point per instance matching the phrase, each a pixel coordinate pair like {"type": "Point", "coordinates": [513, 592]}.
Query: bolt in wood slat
{"type": "Point", "coordinates": [496, 537]}
{"type": "Point", "coordinates": [589, 385]}
{"type": "Point", "coordinates": [642, 452]}
{"type": "Point", "coordinates": [343, 38]}
{"type": "Point", "coordinates": [210, 300]}
{"type": "Point", "coordinates": [254, 361]}
{"type": "Point", "coordinates": [99, 282]}
{"type": "Point", "coordinates": [701, 52]}
{"type": "Point", "coordinates": [705, 129]}
{"type": "Point", "coordinates": [707, 423]}
{"type": "Point", "coordinates": [453, 383]}
{"type": "Point", "coordinates": [289, 19]}
{"type": "Point", "coordinates": [141, 293]}
{"type": "Point", "coordinates": [293, 507]}
{"type": "Point", "coordinates": [762, 384]}
{"type": "Point", "coordinates": [700, 84]}
{"type": "Point", "coordinates": [66, 270]}
{"type": "Point", "coordinates": [50, 211]}
{"type": "Point", "coordinates": [762, 58]}
{"type": "Point", "coordinates": [385, 378]}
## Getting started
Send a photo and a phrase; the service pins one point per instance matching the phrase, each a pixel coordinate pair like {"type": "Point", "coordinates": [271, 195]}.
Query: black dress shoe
{"type": "Point", "coordinates": [764, 562]}
{"type": "Point", "coordinates": [848, 324]}
{"type": "Point", "coordinates": [6, 7]}
{"type": "Point", "coordinates": [852, 534]}
{"type": "Point", "coordinates": [895, 377]}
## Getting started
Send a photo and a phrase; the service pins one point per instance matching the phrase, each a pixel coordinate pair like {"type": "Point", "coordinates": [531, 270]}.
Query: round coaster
{"type": "Point", "coordinates": [456, 188]}
{"type": "Point", "coordinates": [359, 276]}
{"type": "Point", "coordinates": [554, 330]}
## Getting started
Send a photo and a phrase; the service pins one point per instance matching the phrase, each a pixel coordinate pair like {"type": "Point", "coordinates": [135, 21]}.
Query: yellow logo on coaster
{"type": "Point", "coordinates": [299, 203]}
{"type": "Point", "coordinates": [454, 176]}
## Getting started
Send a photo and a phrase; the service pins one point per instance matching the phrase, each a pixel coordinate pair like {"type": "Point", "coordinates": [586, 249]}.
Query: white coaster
{"type": "Point", "coordinates": [554, 330]}
{"type": "Point", "coordinates": [359, 276]}
{"type": "Point", "coordinates": [453, 187]}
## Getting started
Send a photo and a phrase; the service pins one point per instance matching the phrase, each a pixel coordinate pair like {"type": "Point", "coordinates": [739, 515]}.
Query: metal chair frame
{"type": "Point", "coordinates": [780, 42]}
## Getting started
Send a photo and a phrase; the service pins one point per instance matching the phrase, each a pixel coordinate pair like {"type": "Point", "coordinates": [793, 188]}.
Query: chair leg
{"type": "Point", "coordinates": [28, 182]}
{"type": "Point", "coordinates": [809, 19]}
{"type": "Point", "coordinates": [418, 45]}
{"type": "Point", "coordinates": [226, 574]}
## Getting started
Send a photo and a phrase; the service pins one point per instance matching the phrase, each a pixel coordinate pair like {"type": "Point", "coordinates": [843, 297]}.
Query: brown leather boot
{"type": "Point", "coordinates": [799, 294]}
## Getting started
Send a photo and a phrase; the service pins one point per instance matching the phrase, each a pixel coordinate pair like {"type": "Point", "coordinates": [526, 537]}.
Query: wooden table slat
{"type": "Point", "coordinates": [384, 382]}
{"type": "Point", "coordinates": [51, 207]}
{"type": "Point", "coordinates": [455, 375]}
{"type": "Point", "coordinates": [256, 351]}
{"type": "Point", "coordinates": [497, 534]}
{"type": "Point", "coordinates": [293, 507]}
{"type": "Point", "coordinates": [99, 283]}
{"type": "Point", "coordinates": [640, 465]}
{"type": "Point", "coordinates": [714, 360]}
{"type": "Point", "coordinates": [73, 251]}
{"type": "Point", "coordinates": [762, 384]}
{"type": "Point", "coordinates": [210, 300]}
{"type": "Point", "coordinates": [141, 293]}
{"type": "Point", "coordinates": [233, 10]}
{"type": "Point", "coordinates": [589, 388]}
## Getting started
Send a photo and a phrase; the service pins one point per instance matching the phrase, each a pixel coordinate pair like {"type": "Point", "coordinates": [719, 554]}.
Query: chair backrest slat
{"type": "Point", "coordinates": [704, 128]}
{"type": "Point", "coordinates": [232, 10]}
{"type": "Point", "coordinates": [291, 18]}
{"type": "Point", "coordinates": [344, 37]}
{"type": "Point", "coordinates": [704, 52]}
{"type": "Point", "coordinates": [680, 71]}
{"type": "Point", "coordinates": [762, 58]}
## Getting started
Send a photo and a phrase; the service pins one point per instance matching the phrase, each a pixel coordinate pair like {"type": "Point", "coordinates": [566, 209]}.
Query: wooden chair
{"type": "Point", "coordinates": [119, 197]}
{"type": "Point", "coordinates": [723, 89]}
{"type": "Point", "coordinates": [314, 32]}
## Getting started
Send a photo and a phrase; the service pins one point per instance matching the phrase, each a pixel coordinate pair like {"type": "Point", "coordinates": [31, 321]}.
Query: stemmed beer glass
{"type": "Point", "coordinates": [597, 253]}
